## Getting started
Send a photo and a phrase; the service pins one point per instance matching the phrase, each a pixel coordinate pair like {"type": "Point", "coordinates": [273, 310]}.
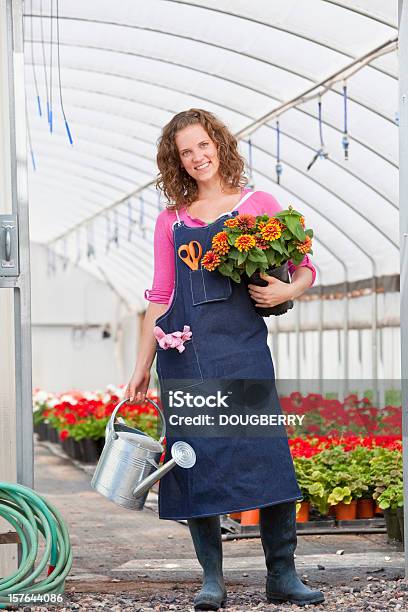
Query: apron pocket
{"type": "Point", "coordinates": [209, 286]}
{"type": "Point", "coordinates": [178, 370]}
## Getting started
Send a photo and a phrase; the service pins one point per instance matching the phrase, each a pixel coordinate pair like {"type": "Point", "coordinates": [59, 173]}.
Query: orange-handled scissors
{"type": "Point", "coordinates": [191, 257]}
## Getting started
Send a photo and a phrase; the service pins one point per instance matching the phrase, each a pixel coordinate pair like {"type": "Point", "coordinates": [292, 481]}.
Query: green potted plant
{"type": "Point", "coordinates": [313, 483]}
{"type": "Point", "coordinates": [386, 471]}
{"type": "Point", "coordinates": [391, 501]}
{"type": "Point", "coordinates": [365, 504]}
{"type": "Point", "coordinates": [346, 483]}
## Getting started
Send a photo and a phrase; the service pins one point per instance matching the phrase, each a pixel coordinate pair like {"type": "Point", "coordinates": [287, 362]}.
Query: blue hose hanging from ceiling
{"type": "Point", "coordinates": [278, 166]}
{"type": "Point", "coordinates": [345, 140]}
{"type": "Point", "coordinates": [250, 167]}
{"type": "Point", "coordinates": [321, 152]}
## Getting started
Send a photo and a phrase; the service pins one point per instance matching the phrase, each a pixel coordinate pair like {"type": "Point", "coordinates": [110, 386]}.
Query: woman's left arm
{"type": "Point", "coordinates": [302, 276]}
{"type": "Point", "coordinates": [302, 279]}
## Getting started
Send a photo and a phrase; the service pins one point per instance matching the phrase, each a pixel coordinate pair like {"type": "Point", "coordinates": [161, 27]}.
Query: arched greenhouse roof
{"type": "Point", "coordinates": [124, 68]}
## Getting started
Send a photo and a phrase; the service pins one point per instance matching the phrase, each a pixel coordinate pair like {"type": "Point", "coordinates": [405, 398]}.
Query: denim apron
{"type": "Point", "coordinates": [229, 341]}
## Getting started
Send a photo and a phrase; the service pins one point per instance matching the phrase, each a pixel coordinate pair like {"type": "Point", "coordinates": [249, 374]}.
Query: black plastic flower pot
{"type": "Point", "coordinates": [46, 431]}
{"type": "Point", "coordinates": [100, 443]}
{"type": "Point", "coordinates": [68, 447]}
{"type": "Point", "coordinates": [282, 274]}
{"type": "Point", "coordinates": [73, 448]}
{"type": "Point", "coordinates": [53, 435]}
{"type": "Point", "coordinates": [78, 451]}
{"type": "Point", "coordinates": [400, 517]}
{"type": "Point", "coordinates": [41, 430]}
{"type": "Point", "coordinates": [90, 452]}
{"type": "Point", "coordinates": [393, 528]}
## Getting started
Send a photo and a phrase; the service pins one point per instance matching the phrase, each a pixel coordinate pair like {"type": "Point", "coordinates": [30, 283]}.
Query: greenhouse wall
{"type": "Point", "coordinates": [70, 311]}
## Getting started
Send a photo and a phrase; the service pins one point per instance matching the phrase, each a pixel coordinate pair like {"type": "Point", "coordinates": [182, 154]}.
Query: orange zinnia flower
{"type": "Point", "coordinates": [231, 222]}
{"type": "Point", "coordinates": [261, 243]}
{"type": "Point", "coordinates": [305, 247]}
{"type": "Point", "coordinates": [272, 230]}
{"type": "Point", "coordinates": [246, 221]}
{"type": "Point", "coordinates": [220, 243]}
{"type": "Point", "coordinates": [302, 221]}
{"type": "Point", "coordinates": [210, 261]}
{"type": "Point", "coordinates": [244, 242]}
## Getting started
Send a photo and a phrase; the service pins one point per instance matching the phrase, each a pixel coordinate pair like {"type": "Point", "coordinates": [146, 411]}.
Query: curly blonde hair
{"type": "Point", "coordinates": [173, 180]}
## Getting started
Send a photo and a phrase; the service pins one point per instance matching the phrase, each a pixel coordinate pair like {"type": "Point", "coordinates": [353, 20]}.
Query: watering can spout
{"type": "Point", "coordinates": [148, 482]}
{"type": "Point", "coordinates": [182, 455]}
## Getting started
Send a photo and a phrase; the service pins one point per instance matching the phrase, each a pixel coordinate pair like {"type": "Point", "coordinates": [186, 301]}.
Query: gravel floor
{"type": "Point", "coordinates": [374, 594]}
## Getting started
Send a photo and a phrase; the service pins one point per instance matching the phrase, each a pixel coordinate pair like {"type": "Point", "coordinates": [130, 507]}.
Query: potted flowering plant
{"type": "Point", "coordinates": [249, 245]}
{"type": "Point", "coordinates": [313, 483]}
{"type": "Point", "coordinates": [387, 471]}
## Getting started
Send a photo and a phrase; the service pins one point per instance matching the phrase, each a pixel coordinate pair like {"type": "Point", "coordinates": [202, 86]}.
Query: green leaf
{"type": "Point", "coordinates": [297, 257]}
{"type": "Point", "coordinates": [271, 257]}
{"type": "Point", "coordinates": [242, 257]}
{"type": "Point", "coordinates": [258, 255]}
{"type": "Point", "coordinates": [316, 489]}
{"type": "Point", "coordinates": [276, 245]}
{"type": "Point", "coordinates": [224, 270]}
{"type": "Point", "coordinates": [232, 238]}
{"type": "Point", "coordinates": [251, 267]}
{"type": "Point", "coordinates": [229, 264]}
{"type": "Point", "coordinates": [295, 227]}
{"type": "Point", "coordinates": [235, 276]}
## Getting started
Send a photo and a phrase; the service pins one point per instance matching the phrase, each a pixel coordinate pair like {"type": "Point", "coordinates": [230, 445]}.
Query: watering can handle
{"type": "Point", "coordinates": [111, 432]}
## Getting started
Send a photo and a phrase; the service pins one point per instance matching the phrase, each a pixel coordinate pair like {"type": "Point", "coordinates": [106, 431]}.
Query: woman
{"type": "Point", "coordinates": [201, 174]}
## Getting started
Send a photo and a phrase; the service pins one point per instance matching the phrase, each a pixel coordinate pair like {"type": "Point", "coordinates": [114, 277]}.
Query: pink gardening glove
{"type": "Point", "coordinates": [174, 340]}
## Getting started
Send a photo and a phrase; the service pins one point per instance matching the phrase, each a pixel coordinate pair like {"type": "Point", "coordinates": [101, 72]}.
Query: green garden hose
{"type": "Point", "coordinates": [30, 514]}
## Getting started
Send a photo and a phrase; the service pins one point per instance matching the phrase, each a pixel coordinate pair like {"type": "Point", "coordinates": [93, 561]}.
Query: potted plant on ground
{"type": "Point", "coordinates": [346, 481]}
{"type": "Point", "coordinates": [391, 500]}
{"type": "Point", "coordinates": [386, 469]}
{"type": "Point", "coordinates": [313, 481]}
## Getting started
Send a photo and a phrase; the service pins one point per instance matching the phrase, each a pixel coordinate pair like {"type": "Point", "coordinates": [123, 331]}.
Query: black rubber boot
{"type": "Point", "coordinates": [278, 535]}
{"type": "Point", "coordinates": [206, 535]}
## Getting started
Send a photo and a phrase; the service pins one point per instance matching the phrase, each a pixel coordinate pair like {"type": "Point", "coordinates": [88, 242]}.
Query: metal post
{"type": "Point", "coordinates": [403, 218]}
{"type": "Point", "coordinates": [297, 335]}
{"type": "Point", "coordinates": [14, 195]}
{"type": "Point", "coordinates": [346, 332]}
{"type": "Point", "coordinates": [374, 333]}
{"type": "Point", "coordinates": [320, 336]}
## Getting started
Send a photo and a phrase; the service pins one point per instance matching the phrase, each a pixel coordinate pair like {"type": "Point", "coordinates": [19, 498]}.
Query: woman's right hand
{"type": "Point", "coordinates": [137, 386]}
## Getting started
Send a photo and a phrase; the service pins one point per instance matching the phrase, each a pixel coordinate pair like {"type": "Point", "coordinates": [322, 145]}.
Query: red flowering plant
{"type": "Point", "coordinates": [330, 416]}
{"type": "Point", "coordinates": [85, 415]}
{"type": "Point", "coordinates": [248, 244]}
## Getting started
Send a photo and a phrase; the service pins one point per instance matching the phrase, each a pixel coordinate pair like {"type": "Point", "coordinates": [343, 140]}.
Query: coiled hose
{"type": "Point", "coordinates": [30, 514]}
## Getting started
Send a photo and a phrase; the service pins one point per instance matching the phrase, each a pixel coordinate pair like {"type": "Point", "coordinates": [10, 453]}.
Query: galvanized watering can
{"type": "Point", "coordinates": [129, 463]}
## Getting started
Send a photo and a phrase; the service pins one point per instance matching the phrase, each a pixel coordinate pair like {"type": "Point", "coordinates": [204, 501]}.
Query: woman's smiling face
{"type": "Point", "coordinates": [198, 153]}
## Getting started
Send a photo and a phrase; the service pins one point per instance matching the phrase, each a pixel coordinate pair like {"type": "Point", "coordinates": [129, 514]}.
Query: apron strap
{"type": "Point", "coordinates": [244, 198]}
{"type": "Point", "coordinates": [178, 216]}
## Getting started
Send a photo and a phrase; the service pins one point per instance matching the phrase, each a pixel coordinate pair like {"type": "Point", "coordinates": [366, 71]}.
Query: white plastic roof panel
{"type": "Point", "coordinates": [127, 67]}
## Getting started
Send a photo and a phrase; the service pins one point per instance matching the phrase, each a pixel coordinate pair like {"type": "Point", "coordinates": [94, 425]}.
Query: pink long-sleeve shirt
{"type": "Point", "coordinates": [164, 271]}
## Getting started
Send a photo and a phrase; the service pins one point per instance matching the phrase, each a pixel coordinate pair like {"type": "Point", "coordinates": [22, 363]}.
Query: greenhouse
{"type": "Point", "coordinates": [315, 94]}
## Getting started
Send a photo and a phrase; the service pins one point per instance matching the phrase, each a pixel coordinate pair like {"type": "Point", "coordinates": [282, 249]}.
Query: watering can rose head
{"type": "Point", "coordinates": [248, 244]}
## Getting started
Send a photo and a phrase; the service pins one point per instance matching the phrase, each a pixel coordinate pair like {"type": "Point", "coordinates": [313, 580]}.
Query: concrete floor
{"type": "Point", "coordinates": [112, 545]}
